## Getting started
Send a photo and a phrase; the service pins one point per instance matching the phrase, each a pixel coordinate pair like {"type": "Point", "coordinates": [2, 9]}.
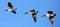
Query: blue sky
{"type": "Point", "coordinates": [8, 19]}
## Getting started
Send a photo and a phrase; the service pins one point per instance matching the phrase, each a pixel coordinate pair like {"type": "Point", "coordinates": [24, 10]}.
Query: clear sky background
{"type": "Point", "coordinates": [8, 19]}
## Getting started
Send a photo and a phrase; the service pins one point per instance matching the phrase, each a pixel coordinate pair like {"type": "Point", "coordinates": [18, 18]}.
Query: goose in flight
{"type": "Point", "coordinates": [11, 8]}
{"type": "Point", "coordinates": [51, 16]}
{"type": "Point", "coordinates": [34, 13]}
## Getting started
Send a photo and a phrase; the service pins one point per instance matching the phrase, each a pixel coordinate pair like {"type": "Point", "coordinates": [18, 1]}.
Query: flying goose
{"type": "Point", "coordinates": [34, 13]}
{"type": "Point", "coordinates": [11, 8]}
{"type": "Point", "coordinates": [51, 16]}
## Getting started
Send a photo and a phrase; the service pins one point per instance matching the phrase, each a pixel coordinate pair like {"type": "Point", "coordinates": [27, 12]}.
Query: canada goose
{"type": "Point", "coordinates": [33, 12]}
{"type": "Point", "coordinates": [51, 16]}
{"type": "Point", "coordinates": [11, 9]}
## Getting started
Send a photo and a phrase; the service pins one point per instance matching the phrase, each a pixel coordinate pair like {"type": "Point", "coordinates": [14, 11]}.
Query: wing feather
{"type": "Point", "coordinates": [34, 17]}
{"type": "Point", "coordinates": [10, 5]}
{"type": "Point", "coordinates": [51, 19]}
{"type": "Point", "coordinates": [14, 12]}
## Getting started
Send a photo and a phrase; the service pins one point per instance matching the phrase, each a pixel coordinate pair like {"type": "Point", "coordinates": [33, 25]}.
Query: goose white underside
{"type": "Point", "coordinates": [52, 20]}
{"type": "Point", "coordinates": [49, 15]}
{"type": "Point", "coordinates": [34, 15]}
{"type": "Point", "coordinates": [31, 12]}
{"type": "Point", "coordinates": [11, 10]}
